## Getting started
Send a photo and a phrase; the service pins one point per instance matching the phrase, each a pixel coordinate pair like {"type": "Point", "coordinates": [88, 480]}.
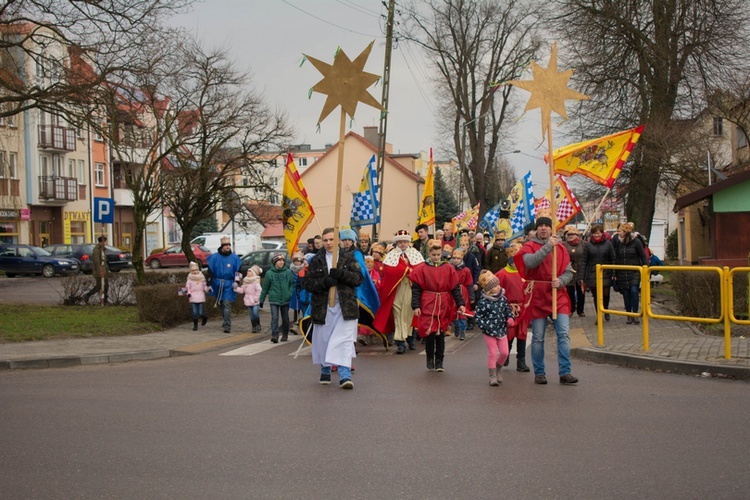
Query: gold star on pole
{"type": "Point", "coordinates": [345, 83]}
{"type": "Point", "coordinates": [549, 89]}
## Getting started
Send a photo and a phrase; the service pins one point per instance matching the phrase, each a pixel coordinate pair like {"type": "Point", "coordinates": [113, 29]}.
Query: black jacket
{"type": "Point", "coordinates": [629, 254]}
{"type": "Point", "coordinates": [596, 253]}
{"type": "Point", "coordinates": [318, 281]}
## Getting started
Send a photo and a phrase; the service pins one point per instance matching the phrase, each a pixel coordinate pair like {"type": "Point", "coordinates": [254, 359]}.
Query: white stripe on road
{"type": "Point", "coordinates": [257, 348]}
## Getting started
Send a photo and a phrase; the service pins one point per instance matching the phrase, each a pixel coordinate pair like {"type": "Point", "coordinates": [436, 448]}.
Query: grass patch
{"type": "Point", "coordinates": [33, 322]}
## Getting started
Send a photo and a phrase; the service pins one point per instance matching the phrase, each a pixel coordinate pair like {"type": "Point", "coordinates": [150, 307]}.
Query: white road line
{"type": "Point", "coordinates": [257, 348]}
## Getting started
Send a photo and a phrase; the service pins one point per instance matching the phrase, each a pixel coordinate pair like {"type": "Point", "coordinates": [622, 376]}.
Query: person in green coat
{"type": "Point", "coordinates": [278, 286]}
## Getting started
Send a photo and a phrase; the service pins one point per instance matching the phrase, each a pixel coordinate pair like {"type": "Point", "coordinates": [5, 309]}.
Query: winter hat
{"type": "Point", "coordinates": [347, 234]}
{"type": "Point", "coordinates": [488, 281]}
{"type": "Point", "coordinates": [193, 265]}
{"type": "Point", "coordinates": [401, 235]}
{"type": "Point", "coordinates": [257, 271]}
{"type": "Point", "coordinates": [278, 257]}
{"type": "Point", "coordinates": [543, 220]}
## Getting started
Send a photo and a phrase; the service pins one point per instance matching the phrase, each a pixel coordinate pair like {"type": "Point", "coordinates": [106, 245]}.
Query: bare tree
{"type": "Point", "coordinates": [475, 45]}
{"type": "Point", "coordinates": [222, 142]}
{"type": "Point", "coordinates": [647, 61]}
{"type": "Point", "coordinates": [57, 52]}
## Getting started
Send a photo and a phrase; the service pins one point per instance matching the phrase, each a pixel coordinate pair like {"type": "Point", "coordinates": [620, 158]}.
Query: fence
{"type": "Point", "coordinates": [727, 316]}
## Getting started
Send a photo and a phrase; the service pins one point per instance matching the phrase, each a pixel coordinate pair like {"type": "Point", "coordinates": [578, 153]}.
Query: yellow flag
{"type": "Point", "coordinates": [427, 207]}
{"type": "Point", "coordinates": [297, 212]}
{"type": "Point", "coordinates": [598, 159]}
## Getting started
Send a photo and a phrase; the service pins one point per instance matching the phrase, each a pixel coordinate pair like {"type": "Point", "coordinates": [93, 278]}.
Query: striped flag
{"type": "Point", "coordinates": [427, 207]}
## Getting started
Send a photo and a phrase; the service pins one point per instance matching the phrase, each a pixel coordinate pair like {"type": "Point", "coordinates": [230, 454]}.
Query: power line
{"type": "Point", "coordinates": [330, 23]}
{"type": "Point", "coordinates": [359, 8]}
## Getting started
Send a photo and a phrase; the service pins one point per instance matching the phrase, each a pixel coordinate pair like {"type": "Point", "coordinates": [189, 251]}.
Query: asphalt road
{"type": "Point", "coordinates": [260, 426]}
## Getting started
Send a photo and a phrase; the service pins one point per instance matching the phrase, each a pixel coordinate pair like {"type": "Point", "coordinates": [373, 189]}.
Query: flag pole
{"type": "Point", "coordinates": [553, 208]}
{"type": "Point", "coordinates": [337, 206]}
{"type": "Point", "coordinates": [599, 206]}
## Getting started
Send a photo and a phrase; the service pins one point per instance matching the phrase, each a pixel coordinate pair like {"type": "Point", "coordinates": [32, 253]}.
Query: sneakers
{"type": "Point", "coordinates": [346, 384]}
{"type": "Point", "coordinates": [636, 321]}
{"type": "Point", "coordinates": [629, 321]}
{"type": "Point", "coordinates": [541, 379]}
{"type": "Point", "coordinates": [568, 379]}
{"type": "Point", "coordinates": [462, 336]}
{"type": "Point", "coordinates": [430, 364]}
{"type": "Point", "coordinates": [325, 378]}
{"type": "Point", "coordinates": [439, 365]}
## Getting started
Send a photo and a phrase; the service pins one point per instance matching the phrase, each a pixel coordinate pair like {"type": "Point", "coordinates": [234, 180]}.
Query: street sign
{"type": "Point", "coordinates": [104, 210]}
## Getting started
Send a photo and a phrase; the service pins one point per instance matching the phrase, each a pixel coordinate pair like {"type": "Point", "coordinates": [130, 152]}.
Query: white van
{"type": "Point", "coordinates": [242, 244]}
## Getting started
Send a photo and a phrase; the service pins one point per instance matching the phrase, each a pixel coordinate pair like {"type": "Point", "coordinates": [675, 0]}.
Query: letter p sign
{"type": "Point", "coordinates": [104, 210]}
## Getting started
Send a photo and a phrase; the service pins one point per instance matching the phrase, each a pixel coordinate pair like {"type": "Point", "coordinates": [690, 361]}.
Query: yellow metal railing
{"type": "Point", "coordinates": [726, 289]}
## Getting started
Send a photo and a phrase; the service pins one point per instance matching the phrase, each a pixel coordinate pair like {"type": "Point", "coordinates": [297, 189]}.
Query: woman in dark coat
{"type": "Point", "coordinates": [629, 252]}
{"type": "Point", "coordinates": [598, 250]}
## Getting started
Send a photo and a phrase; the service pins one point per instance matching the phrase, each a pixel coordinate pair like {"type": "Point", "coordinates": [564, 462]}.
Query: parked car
{"type": "Point", "coordinates": [28, 259]}
{"type": "Point", "coordinates": [260, 258]}
{"type": "Point", "coordinates": [174, 256]}
{"type": "Point", "coordinates": [241, 244]}
{"type": "Point", "coordinates": [274, 245]}
{"type": "Point", "coordinates": [116, 258]}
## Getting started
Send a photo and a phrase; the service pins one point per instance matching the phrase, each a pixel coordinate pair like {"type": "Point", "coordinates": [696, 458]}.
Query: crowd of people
{"type": "Point", "coordinates": [423, 288]}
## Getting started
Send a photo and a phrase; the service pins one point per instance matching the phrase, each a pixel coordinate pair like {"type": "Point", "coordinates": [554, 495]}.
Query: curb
{"type": "Point", "coordinates": [659, 364]}
{"type": "Point", "coordinates": [121, 357]}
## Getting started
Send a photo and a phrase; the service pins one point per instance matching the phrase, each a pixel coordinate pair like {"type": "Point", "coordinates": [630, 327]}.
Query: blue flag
{"type": "Point", "coordinates": [365, 201]}
{"type": "Point", "coordinates": [522, 209]}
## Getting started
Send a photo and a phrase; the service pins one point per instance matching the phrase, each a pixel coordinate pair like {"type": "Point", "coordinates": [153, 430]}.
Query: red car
{"type": "Point", "coordinates": [174, 256]}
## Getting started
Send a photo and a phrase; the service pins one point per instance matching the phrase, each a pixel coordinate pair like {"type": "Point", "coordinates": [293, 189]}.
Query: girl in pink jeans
{"type": "Point", "coordinates": [493, 316]}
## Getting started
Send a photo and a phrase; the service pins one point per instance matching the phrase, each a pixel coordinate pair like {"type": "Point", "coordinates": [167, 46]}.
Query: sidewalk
{"type": "Point", "coordinates": [675, 346]}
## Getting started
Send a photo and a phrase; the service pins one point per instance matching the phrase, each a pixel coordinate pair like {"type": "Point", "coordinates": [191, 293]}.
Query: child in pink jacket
{"type": "Point", "coordinates": [250, 287]}
{"type": "Point", "coordinates": [196, 288]}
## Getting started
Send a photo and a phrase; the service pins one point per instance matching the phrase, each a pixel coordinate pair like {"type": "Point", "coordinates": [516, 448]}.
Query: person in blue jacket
{"type": "Point", "coordinates": [223, 268]}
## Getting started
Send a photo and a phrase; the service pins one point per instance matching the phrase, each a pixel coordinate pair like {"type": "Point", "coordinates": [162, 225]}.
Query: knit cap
{"type": "Point", "coordinates": [488, 281]}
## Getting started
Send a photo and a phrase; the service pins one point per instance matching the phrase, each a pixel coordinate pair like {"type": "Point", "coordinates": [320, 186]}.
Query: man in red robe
{"type": "Point", "coordinates": [395, 313]}
{"type": "Point", "coordinates": [534, 263]}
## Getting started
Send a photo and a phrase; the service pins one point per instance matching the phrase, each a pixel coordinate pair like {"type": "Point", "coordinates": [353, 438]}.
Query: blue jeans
{"type": "Point", "coordinates": [226, 313]}
{"type": "Point", "coordinates": [254, 313]}
{"type": "Point", "coordinates": [561, 324]}
{"type": "Point", "coordinates": [459, 327]}
{"type": "Point", "coordinates": [277, 309]}
{"type": "Point", "coordinates": [631, 298]}
{"type": "Point", "coordinates": [197, 309]}
{"type": "Point", "coordinates": [345, 372]}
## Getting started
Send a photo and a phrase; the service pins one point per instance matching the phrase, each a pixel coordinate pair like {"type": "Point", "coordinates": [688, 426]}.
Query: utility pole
{"type": "Point", "coordinates": [383, 127]}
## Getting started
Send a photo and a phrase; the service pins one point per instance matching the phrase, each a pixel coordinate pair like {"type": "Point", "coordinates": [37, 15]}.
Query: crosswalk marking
{"type": "Point", "coordinates": [257, 348]}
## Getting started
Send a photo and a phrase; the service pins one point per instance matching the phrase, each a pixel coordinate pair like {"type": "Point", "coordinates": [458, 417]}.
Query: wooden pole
{"type": "Point", "coordinates": [553, 208]}
{"type": "Point", "coordinates": [337, 205]}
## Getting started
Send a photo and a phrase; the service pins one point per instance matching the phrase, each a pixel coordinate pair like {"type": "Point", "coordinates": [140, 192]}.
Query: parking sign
{"type": "Point", "coordinates": [104, 210]}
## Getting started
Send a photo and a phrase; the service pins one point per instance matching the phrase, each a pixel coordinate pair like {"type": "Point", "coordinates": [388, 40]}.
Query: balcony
{"type": "Point", "coordinates": [59, 138]}
{"type": "Point", "coordinates": [58, 188]}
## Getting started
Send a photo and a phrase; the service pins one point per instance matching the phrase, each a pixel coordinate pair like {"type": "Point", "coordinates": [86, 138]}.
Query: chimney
{"type": "Point", "coordinates": [371, 135]}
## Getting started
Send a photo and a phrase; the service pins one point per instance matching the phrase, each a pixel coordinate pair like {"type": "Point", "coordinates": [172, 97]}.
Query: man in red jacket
{"type": "Point", "coordinates": [534, 262]}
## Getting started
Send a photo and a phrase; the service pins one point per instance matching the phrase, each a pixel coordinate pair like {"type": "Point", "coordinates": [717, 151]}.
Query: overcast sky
{"type": "Point", "coordinates": [268, 38]}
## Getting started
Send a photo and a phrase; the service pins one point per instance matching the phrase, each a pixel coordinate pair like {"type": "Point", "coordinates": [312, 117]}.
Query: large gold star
{"type": "Point", "coordinates": [549, 89]}
{"type": "Point", "coordinates": [345, 83]}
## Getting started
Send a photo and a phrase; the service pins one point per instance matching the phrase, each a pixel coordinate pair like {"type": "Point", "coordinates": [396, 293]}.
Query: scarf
{"type": "Point", "coordinates": [296, 268]}
{"type": "Point", "coordinates": [250, 279]}
{"type": "Point", "coordinates": [196, 277]}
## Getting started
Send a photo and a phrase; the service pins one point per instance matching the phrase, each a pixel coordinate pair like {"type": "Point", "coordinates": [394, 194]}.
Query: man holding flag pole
{"type": "Point", "coordinates": [543, 260]}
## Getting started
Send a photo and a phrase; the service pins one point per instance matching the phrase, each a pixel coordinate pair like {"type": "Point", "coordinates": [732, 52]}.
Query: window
{"type": "Point", "coordinates": [8, 231]}
{"type": "Point", "coordinates": [273, 181]}
{"type": "Point", "coordinates": [81, 172]}
{"type": "Point", "coordinates": [273, 198]}
{"type": "Point", "coordinates": [44, 165]}
{"type": "Point", "coordinates": [3, 165]}
{"type": "Point", "coordinates": [302, 162]}
{"type": "Point", "coordinates": [99, 174]}
{"type": "Point", "coordinates": [57, 164]}
{"type": "Point", "coordinates": [11, 120]}
{"type": "Point", "coordinates": [718, 126]}
{"type": "Point", "coordinates": [71, 168]}
{"type": "Point", "coordinates": [741, 138]}
{"type": "Point", "coordinates": [12, 165]}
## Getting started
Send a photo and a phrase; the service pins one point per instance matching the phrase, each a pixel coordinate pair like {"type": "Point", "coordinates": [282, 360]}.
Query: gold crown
{"type": "Point", "coordinates": [225, 240]}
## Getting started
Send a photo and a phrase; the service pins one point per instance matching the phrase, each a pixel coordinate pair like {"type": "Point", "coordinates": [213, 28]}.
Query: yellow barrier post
{"type": "Point", "coordinates": [726, 298]}
{"type": "Point", "coordinates": [645, 302]}
{"type": "Point", "coordinates": [599, 305]}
